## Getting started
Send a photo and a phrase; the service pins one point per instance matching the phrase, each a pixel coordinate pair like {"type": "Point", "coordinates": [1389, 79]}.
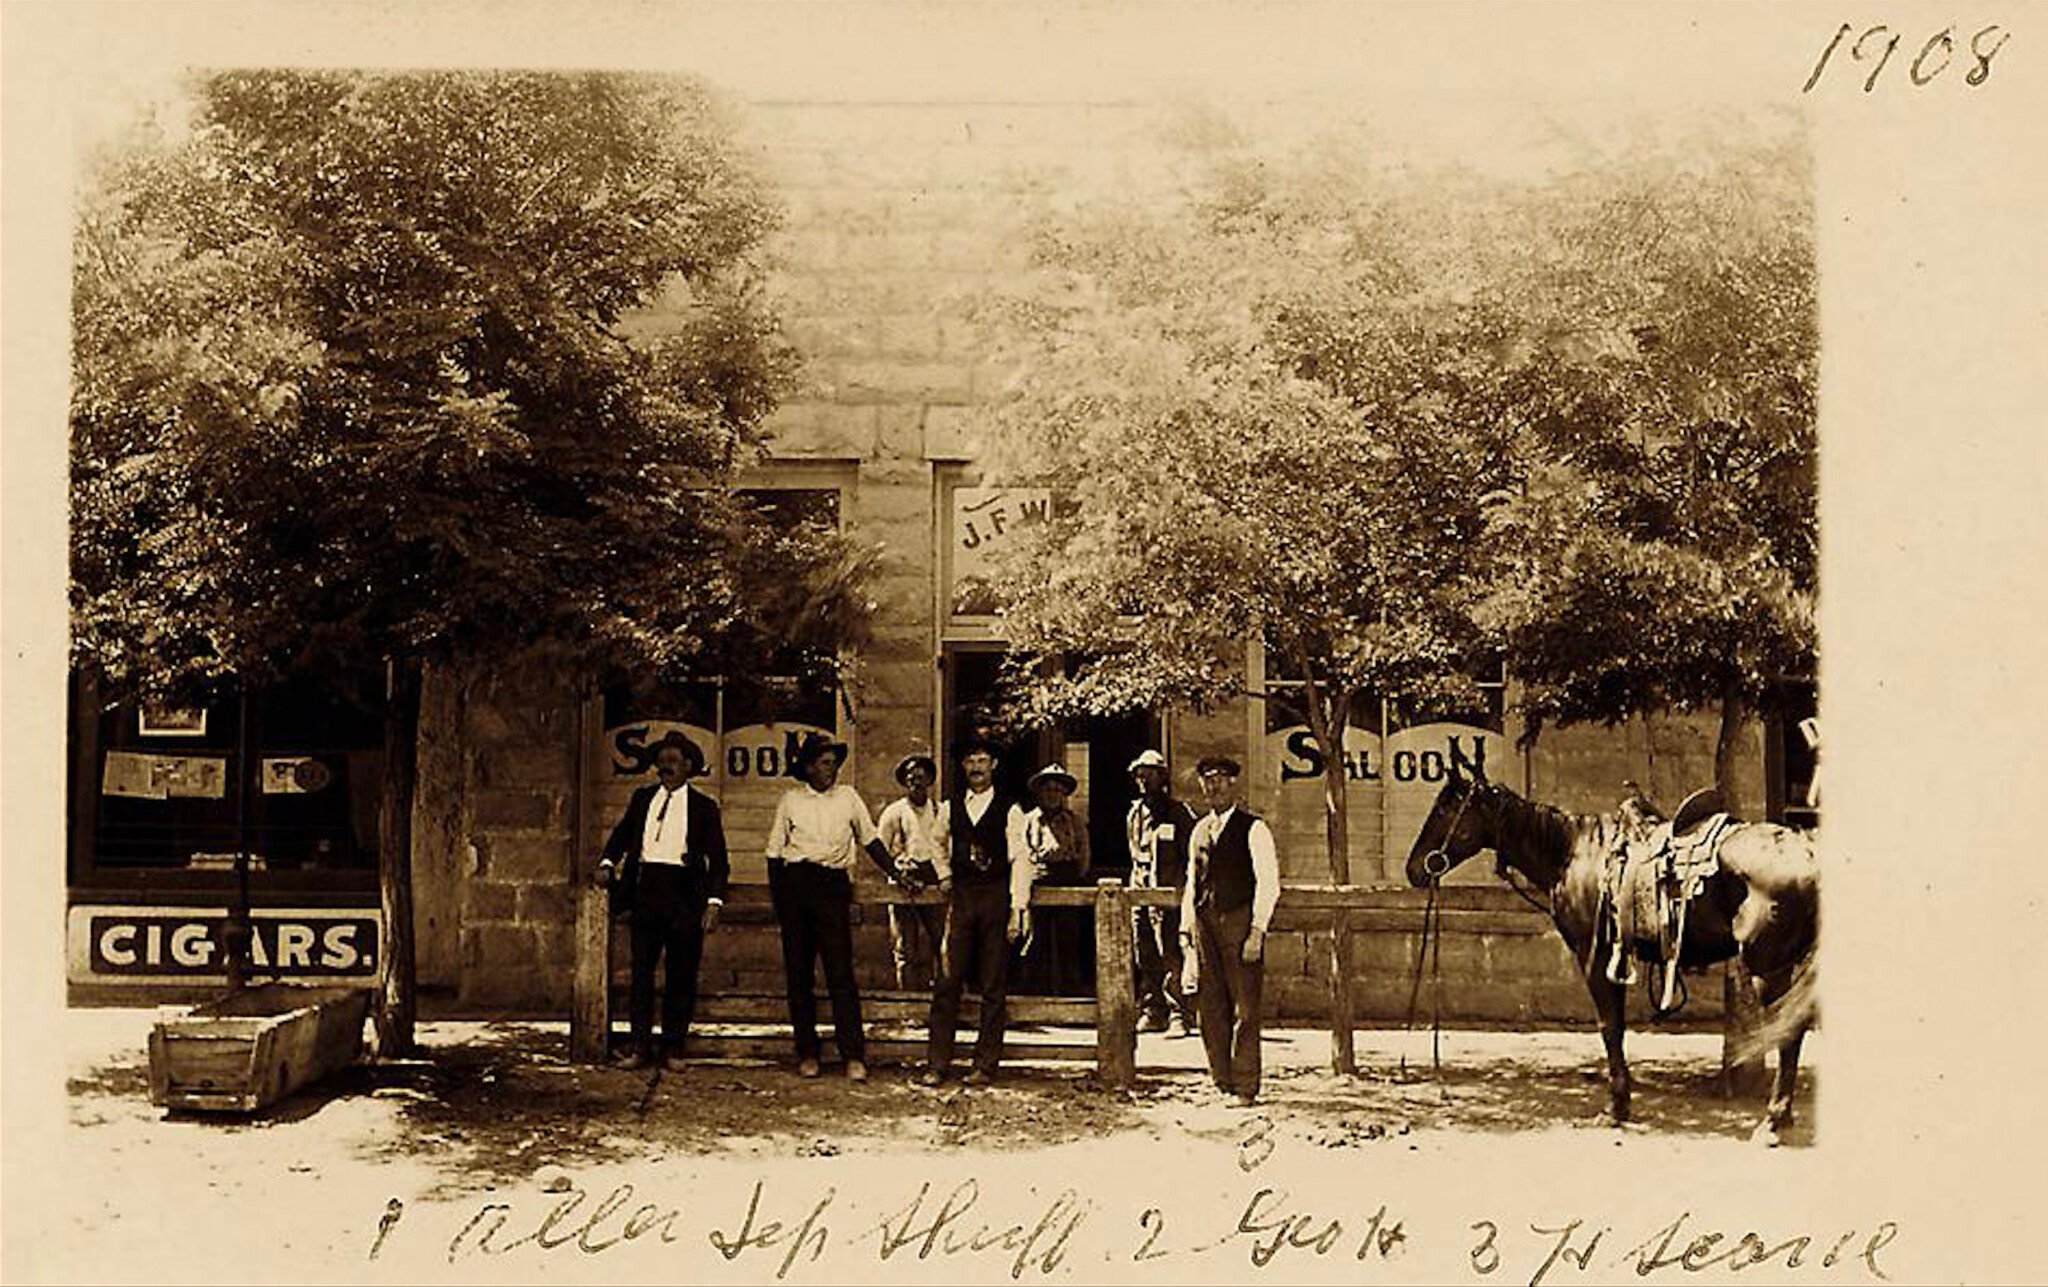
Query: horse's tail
{"type": "Point", "coordinates": [1794, 1011]}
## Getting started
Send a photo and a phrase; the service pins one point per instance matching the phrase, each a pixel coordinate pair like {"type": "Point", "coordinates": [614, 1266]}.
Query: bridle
{"type": "Point", "coordinates": [1436, 864]}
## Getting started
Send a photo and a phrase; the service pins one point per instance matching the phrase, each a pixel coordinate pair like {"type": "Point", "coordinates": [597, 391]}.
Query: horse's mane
{"type": "Point", "coordinates": [1534, 829]}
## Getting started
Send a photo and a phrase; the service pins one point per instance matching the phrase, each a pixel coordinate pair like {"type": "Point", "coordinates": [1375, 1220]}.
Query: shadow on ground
{"type": "Point", "coordinates": [506, 1102]}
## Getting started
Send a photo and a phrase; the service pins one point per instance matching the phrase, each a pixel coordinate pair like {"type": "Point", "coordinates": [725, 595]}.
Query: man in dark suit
{"type": "Point", "coordinates": [987, 885]}
{"type": "Point", "coordinates": [666, 865]}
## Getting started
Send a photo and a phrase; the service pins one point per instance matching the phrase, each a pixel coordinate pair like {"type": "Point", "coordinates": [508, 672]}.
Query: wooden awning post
{"type": "Point", "coordinates": [1116, 999]}
{"type": "Point", "coordinates": [590, 998]}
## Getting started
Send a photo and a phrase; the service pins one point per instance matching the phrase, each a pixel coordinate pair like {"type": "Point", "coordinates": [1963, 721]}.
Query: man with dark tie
{"type": "Point", "coordinates": [666, 865]}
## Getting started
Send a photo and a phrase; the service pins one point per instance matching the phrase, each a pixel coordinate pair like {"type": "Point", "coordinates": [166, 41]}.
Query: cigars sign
{"type": "Point", "coordinates": [187, 944]}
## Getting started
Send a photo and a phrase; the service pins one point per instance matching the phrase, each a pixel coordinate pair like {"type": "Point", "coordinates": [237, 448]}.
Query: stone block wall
{"type": "Point", "coordinates": [897, 215]}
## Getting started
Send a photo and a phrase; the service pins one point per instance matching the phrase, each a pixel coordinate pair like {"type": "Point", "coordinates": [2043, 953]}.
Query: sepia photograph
{"type": "Point", "coordinates": [915, 642]}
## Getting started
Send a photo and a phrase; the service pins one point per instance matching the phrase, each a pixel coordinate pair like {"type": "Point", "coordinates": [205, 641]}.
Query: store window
{"type": "Point", "coordinates": [164, 797]}
{"type": "Point", "coordinates": [1792, 755]}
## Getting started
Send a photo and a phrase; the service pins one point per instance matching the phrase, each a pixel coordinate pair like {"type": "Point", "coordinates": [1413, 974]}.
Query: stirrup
{"type": "Point", "coordinates": [1616, 964]}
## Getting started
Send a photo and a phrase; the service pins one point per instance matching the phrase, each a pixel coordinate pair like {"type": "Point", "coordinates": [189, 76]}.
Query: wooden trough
{"type": "Point", "coordinates": [247, 1050]}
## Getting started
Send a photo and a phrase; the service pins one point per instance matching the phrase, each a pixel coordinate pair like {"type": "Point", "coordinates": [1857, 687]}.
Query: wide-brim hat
{"type": "Point", "coordinates": [1210, 765]}
{"type": "Point", "coordinates": [813, 747]}
{"type": "Point", "coordinates": [1055, 773]}
{"type": "Point", "coordinates": [683, 743]}
{"type": "Point", "coordinates": [1148, 759]}
{"type": "Point", "coordinates": [912, 760]}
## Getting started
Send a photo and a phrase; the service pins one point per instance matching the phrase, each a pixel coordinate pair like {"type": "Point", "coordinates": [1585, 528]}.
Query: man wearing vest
{"type": "Point", "coordinates": [666, 865]}
{"type": "Point", "coordinates": [988, 901]}
{"type": "Point", "coordinates": [1226, 907]}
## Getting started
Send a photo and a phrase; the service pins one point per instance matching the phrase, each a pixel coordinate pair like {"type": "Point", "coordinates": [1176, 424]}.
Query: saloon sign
{"type": "Point", "coordinates": [1420, 756]}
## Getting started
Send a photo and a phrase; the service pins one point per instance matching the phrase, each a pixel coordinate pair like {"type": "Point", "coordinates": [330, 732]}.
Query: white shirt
{"type": "Point", "coordinates": [977, 803]}
{"type": "Point", "coordinates": [665, 835]}
{"type": "Point", "coordinates": [912, 834]}
{"type": "Point", "coordinates": [824, 827]}
{"type": "Point", "coordinates": [1265, 867]}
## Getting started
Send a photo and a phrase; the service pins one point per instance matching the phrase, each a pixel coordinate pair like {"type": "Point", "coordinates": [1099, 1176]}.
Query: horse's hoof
{"type": "Point", "coordinates": [1766, 1134]}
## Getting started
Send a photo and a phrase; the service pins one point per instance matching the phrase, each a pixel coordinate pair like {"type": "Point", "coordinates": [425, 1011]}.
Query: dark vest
{"type": "Point", "coordinates": [990, 836]}
{"type": "Point", "coordinates": [1226, 878]}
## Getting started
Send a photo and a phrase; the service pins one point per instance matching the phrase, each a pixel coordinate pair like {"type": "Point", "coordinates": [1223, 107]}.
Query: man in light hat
{"type": "Point", "coordinates": [666, 865]}
{"type": "Point", "coordinates": [913, 830]}
{"type": "Point", "coordinates": [1233, 885]}
{"type": "Point", "coordinates": [1059, 949]}
{"type": "Point", "coordinates": [820, 827]}
{"type": "Point", "coordinates": [1157, 830]}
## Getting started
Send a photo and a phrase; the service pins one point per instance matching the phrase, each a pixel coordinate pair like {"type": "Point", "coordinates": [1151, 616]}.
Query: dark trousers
{"type": "Point", "coordinates": [814, 907]}
{"type": "Point", "coordinates": [668, 921]}
{"type": "Point", "coordinates": [1228, 998]}
{"type": "Point", "coordinates": [914, 942]}
{"type": "Point", "coordinates": [976, 940]}
{"type": "Point", "coordinates": [1156, 933]}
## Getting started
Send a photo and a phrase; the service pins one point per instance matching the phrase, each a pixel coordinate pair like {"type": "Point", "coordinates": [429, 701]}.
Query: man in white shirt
{"type": "Point", "coordinates": [1226, 907]}
{"type": "Point", "coordinates": [666, 865]}
{"type": "Point", "coordinates": [987, 883]}
{"type": "Point", "coordinates": [819, 830]}
{"type": "Point", "coordinates": [913, 830]}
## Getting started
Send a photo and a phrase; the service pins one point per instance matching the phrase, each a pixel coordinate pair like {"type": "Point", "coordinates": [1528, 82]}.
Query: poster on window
{"type": "Point", "coordinates": [159, 777]}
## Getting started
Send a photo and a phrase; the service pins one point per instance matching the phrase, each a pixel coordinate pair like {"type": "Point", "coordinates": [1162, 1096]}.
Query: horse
{"type": "Point", "coordinates": [1761, 905]}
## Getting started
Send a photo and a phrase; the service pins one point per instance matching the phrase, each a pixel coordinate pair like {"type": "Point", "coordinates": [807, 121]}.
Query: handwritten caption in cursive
{"type": "Point", "coordinates": [1039, 1235]}
{"type": "Point", "coordinates": [1934, 57]}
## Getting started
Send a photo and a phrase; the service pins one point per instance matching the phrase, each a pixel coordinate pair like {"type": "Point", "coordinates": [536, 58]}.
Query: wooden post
{"type": "Point", "coordinates": [1343, 1055]}
{"type": "Point", "coordinates": [590, 1002]}
{"type": "Point", "coordinates": [1116, 1001]}
{"type": "Point", "coordinates": [590, 1013]}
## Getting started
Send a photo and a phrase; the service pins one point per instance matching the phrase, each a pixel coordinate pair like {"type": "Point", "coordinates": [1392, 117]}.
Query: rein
{"type": "Point", "coordinates": [1435, 865]}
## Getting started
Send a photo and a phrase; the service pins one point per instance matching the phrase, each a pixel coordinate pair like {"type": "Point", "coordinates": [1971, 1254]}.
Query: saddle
{"type": "Point", "coordinates": [1653, 872]}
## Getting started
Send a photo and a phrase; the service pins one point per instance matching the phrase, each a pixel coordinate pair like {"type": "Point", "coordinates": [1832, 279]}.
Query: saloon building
{"type": "Point", "coordinates": [897, 212]}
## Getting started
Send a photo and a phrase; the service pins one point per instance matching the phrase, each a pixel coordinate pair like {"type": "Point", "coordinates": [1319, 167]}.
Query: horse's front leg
{"type": "Point", "coordinates": [1611, 1000]}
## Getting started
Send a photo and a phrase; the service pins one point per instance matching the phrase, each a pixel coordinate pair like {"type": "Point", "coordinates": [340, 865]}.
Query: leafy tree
{"type": "Point", "coordinates": [1269, 412]}
{"type": "Point", "coordinates": [1662, 550]}
{"type": "Point", "coordinates": [351, 386]}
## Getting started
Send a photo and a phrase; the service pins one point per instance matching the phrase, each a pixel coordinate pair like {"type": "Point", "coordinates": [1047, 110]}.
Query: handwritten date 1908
{"type": "Point", "coordinates": [1933, 59]}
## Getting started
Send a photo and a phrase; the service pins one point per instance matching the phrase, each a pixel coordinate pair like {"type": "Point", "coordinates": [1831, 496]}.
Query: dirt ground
{"type": "Point", "coordinates": [449, 1165]}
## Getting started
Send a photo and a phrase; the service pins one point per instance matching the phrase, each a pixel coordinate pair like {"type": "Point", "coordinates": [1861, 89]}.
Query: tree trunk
{"type": "Point", "coordinates": [1741, 1014]}
{"type": "Point", "coordinates": [1729, 743]}
{"type": "Point", "coordinates": [397, 997]}
{"type": "Point", "coordinates": [1328, 722]}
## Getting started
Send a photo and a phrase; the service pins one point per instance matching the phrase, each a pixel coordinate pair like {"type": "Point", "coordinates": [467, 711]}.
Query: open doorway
{"type": "Point", "coordinates": [1097, 750]}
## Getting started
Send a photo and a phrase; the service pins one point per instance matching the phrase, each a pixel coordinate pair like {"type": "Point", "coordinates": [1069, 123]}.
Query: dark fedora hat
{"type": "Point", "coordinates": [912, 760]}
{"type": "Point", "coordinates": [813, 746]}
{"type": "Point", "coordinates": [1210, 765]}
{"type": "Point", "coordinates": [683, 743]}
{"type": "Point", "coordinates": [969, 743]}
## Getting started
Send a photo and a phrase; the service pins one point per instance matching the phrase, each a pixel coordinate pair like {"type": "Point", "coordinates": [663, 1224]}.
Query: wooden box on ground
{"type": "Point", "coordinates": [247, 1050]}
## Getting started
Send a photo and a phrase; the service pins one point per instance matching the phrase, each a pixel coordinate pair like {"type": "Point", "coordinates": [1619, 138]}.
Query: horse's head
{"type": "Point", "coordinates": [1459, 825]}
